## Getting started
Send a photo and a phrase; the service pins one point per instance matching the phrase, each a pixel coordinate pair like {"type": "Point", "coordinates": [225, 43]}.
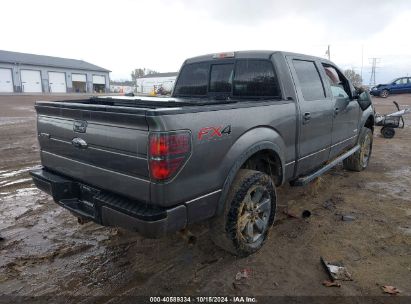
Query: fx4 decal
{"type": "Point", "coordinates": [208, 133]}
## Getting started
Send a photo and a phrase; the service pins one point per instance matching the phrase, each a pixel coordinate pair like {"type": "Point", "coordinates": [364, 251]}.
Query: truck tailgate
{"type": "Point", "coordinates": [99, 145]}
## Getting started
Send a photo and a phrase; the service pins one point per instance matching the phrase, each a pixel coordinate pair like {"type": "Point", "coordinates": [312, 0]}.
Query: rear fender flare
{"type": "Point", "coordinates": [267, 139]}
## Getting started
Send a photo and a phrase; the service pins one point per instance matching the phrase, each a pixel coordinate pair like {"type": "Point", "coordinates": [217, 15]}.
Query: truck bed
{"type": "Point", "coordinates": [115, 155]}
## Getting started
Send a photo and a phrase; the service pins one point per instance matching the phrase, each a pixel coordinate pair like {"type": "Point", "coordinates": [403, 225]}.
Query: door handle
{"type": "Point", "coordinates": [307, 117]}
{"type": "Point", "coordinates": [336, 111]}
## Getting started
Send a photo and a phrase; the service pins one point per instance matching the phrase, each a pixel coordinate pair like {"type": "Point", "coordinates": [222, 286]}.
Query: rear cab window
{"type": "Point", "coordinates": [193, 80]}
{"type": "Point", "coordinates": [236, 79]}
{"type": "Point", "coordinates": [221, 78]}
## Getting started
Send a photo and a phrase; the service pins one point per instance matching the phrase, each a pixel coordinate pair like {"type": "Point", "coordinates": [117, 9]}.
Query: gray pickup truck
{"type": "Point", "coordinates": [237, 126]}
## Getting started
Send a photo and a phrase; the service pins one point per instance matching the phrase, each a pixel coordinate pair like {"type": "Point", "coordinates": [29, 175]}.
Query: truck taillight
{"type": "Point", "coordinates": [168, 153]}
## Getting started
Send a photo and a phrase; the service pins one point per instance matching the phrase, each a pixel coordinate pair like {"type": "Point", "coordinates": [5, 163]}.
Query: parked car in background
{"type": "Point", "coordinates": [398, 85]}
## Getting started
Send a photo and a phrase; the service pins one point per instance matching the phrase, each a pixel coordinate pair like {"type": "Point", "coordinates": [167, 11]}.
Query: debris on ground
{"type": "Point", "coordinates": [336, 270]}
{"type": "Point", "coordinates": [291, 215]}
{"type": "Point", "coordinates": [348, 218]}
{"type": "Point", "coordinates": [238, 285]}
{"type": "Point", "coordinates": [306, 214]}
{"type": "Point", "coordinates": [292, 210]}
{"type": "Point", "coordinates": [240, 278]}
{"type": "Point", "coordinates": [390, 289]}
{"type": "Point", "coordinates": [329, 204]}
{"type": "Point", "coordinates": [328, 283]}
{"type": "Point", "coordinates": [243, 274]}
{"type": "Point", "coordinates": [1, 238]}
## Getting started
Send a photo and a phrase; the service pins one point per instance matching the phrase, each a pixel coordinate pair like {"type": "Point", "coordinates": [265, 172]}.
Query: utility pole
{"type": "Point", "coordinates": [328, 53]}
{"type": "Point", "coordinates": [362, 61]}
{"type": "Point", "coordinates": [374, 61]}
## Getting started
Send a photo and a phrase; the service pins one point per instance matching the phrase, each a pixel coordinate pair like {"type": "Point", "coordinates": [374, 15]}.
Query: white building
{"type": "Point", "coordinates": [148, 83]}
{"type": "Point", "coordinates": [29, 73]}
{"type": "Point", "coordinates": [118, 88]}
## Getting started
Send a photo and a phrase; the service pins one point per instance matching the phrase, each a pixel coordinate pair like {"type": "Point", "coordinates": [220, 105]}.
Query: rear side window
{"type": "Point", "coordinates": [255, 78]}
{"type": "Point", "coordinates": [221, 78]}
{"type": "Point", "coordinates": [193, 80]}
{"type": "Point", "coordinates": [309, 79]}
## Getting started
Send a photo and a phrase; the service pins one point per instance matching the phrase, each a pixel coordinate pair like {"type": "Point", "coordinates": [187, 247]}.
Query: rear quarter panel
{"type": "Point", "coordinates": [213, 155]}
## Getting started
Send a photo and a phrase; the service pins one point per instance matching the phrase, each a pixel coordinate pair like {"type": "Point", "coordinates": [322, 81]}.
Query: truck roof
{"type": "Point", "coordinates": [252, 54]}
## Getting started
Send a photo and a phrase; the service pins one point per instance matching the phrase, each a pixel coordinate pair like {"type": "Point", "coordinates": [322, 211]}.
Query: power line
{"type": "Point", "coordinates": [374, 61]}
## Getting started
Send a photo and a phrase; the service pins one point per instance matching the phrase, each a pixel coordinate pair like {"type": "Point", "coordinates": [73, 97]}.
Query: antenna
{"type": "Point", "coordinates": [374, 61]}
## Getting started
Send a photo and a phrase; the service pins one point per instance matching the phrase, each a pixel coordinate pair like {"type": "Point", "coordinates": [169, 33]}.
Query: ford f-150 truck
{"type": "Point", "coordinates": [237, 126]}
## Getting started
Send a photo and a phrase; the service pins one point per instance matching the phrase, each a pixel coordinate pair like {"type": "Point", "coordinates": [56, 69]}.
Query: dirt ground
{"type": "Point", "coordinates": [46, 252]}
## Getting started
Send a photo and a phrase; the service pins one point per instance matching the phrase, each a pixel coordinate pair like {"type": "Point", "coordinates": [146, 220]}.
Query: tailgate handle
{"type": "Point", "coordinates": [79, 143]}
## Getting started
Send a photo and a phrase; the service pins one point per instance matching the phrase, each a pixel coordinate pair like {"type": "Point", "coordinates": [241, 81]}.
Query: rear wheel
{"type": "Point", "coordinates": [249, 213]}
{"type": "Point", "coordinates": [360, 159]}
{"type": "Point", "coordinates": [388, 132]}
{"type": "Point", "coordinates": [384, 93]}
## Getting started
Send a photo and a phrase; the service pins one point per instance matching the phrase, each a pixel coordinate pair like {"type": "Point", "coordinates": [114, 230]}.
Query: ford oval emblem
{"type": "Point", "coordinates": [80, 126]}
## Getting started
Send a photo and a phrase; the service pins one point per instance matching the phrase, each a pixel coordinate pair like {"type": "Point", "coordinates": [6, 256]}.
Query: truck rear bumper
{"type": "Point", "coordinates": [108, 209]}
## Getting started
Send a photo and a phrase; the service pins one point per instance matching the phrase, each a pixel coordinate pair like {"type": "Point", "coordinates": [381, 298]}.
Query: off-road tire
{"type": "Point", "coordinates": [226, 229]}
{"type": "Point", "coordinates": [384, 93]}
{"type": "Point", "coordinates": [360, 159]}
{"type": "Point", "coordinates": [387, 132]}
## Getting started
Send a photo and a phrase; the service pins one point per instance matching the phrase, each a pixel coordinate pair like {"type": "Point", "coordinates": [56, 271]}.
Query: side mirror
{"type": "Point", "coordinates": [364, 100]}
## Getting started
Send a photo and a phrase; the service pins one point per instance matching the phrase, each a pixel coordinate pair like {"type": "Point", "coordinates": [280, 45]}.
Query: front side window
{"type": "Point", "coordinates": [193, 80]}
{"type": "Point", "coordinates": [310, 82]}
{"type": "Point", "coordinates": [401, 81]}
{"type": "Point", "coordinates": [338, 87]}
{"type": "Point", "coordinates": [255, 78]}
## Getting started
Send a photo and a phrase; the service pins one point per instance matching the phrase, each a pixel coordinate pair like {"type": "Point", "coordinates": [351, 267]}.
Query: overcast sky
{"type": "Point", "coordinates": [159, 34]}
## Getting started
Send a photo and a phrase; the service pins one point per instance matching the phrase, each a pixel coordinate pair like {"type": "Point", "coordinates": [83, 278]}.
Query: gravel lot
{"type": "Point", "coordinates": [46, 252]}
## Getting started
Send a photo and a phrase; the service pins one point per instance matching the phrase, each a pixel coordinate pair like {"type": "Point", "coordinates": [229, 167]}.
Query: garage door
{"type": "Point", "coordinates": [97, 79]}
{"type": "Point", "coordinates": [78, 77]}
{"type": "Point", "coordinates": [6, 82]}
{"type": "Point", "coordinates": [31, 81]}
{"type": "Point", "coordinates": [57, 82]}
{"type": "Point", "coordinates": [78, 82]}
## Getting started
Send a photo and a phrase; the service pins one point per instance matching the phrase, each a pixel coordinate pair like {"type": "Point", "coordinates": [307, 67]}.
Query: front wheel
{"type": "Point", "coordinates": [360, 159]}
{"type": "Point", "coordinates": [384, 93]}
{"type": "Point", "coordinates": [249, 213]}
